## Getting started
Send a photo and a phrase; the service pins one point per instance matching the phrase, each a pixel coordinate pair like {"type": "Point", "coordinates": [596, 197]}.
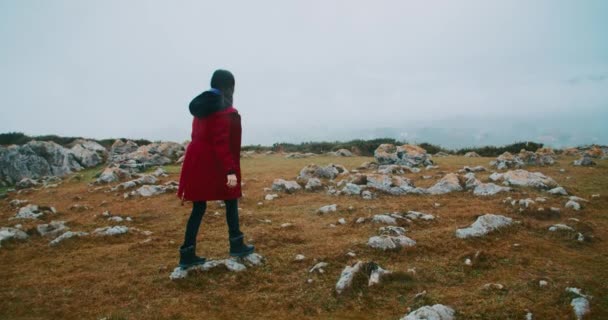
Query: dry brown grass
{"type": "Point", "coordinates": [120, 278]}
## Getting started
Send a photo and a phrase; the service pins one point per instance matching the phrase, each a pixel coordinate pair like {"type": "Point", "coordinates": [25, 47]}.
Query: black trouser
{"type": "Point", "coordinates": [198, 210]}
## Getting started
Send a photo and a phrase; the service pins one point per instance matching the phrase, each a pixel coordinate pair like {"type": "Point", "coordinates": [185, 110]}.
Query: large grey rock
{"type": "Point", "coordinates": [143, 180]}
{"type": "Point", "coordinates": [506, 161]}
{"type": "Point", "coordinates": [313, 184]}
{"type": "Point", "coordinates": [112, 174]}
{"type": "Point", "coordinates": [328, 209]}
{"type": "Point", "coordinates": [558, 191]}
{"type": "Point", "coordinates": [383, 218]}
{"type": "Point", "coordinates": [390, 238]}
{"type": "Point", "coordinates": [36, 159]}
{"type": "Point", "coordinates": [523, 178]}
{"type": "Point", "coordinates": [584, 161]}
{"type": "Point", "coordinates": [435, 312]}
{"type": "Point", "coordinates": [341, 153]}
{"type": "Point", "coordinates": [32, 211]}
{"type": "Point", "coordinates": [351, 189]}
{"type": "Point", "coordinates": [408, 155]}
{"type": "Point", "coordinates": [484, 225]}
{"type": "Point", "coordinates": [89, 153]}
{"type": "Point", "coordinates": [449, 183]}
{"type": "Point", "coordinates": [11, 233]}
{"type": "Point", "coordinates": [127, 155]}
{"type": "Point", "coordinates": [580, 302]}
{"type": "Point", "coordinates": [284, 185]}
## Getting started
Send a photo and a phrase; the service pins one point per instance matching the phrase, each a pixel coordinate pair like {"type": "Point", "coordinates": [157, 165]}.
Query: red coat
{"type": "Point", "coordinates": [213, 153]}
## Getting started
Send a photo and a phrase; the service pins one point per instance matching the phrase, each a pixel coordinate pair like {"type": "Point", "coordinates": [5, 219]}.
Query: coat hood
{"type": "Point", "coordinates": [208, 103]}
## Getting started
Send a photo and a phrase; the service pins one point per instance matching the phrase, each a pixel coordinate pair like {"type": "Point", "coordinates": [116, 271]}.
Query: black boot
{"type": "Point", "coordinates": [238, 248]}
{"type": "Point", "coordinates": [188, 258]}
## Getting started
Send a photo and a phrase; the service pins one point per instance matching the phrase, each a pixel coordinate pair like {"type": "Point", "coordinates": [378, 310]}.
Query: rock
{"type": "Point", "coordinates": [330, 171]}
{"type": "Point", "coordinates": [560, 227]}
{"type": "Point", "coordinates": [390, 239]}
{"type": "Point", "coordinates": [558, 191]}
{"type": "Point", "coordinates": [484, 225]}
{"type": "Point", "coordinates": [368, 165]}
{"type": "Point", "coordinates": [284, 185]}
{"type": "Point", "coordinates": [474, 169]}
{"type": "Point", "coordinates": [360, 220]}
{"type": "Point", "coordinates": [538, 159]}
{"type": "Point", "coordinates": [489, 189]}
{"type": "Point", "coordinates": [341, 153]}
{"type": "Point", "coordinates": [31, 211]}
{"type": "Point", "coordinates": [543, 283]}
{"type": "Point", "coordinates": [159, 172]}
{"type": "Point", "coordinates": [594, 152]}
{"type": "Point", "coordinates": [351, 189]}
{"type": "Point", "coordinates": [319, 267]}
{"type": "Point", "coordinates": [577, 199]}
{"type": "Point", "coordinates": [52, 229]}
{"type": "Point", "coordinates": [442, 154]}
{"type": "Point", "coordinates": [573, 205]}
{"type": "Point", "coordinates": [232, 264]}
{"type": "Point", "coordinates": [111, 231]}
{"type": "Point", "coordinates": [471, 181]}
{"type": "Point", "coordinates": [16, 203]}
{"type": "Point", "coordinates": [435, 312]}
{"type": "Point", "coordinates": [585, 161]}
{"type": "Point", "coordinates": [342, 221]}
{"type": "Point", "coordinates": [270, 197]}
{"type": "Point", "coordinates": [89, 153]}
{"type": "Point", "coordinates": [67, 235]}
{"type": "Point", "coordinates": [506, 161]}
{"type": "Point", "coordinates": [471, 154]}
{"type": "Point", "coordinates": [299, 257]}
{"type": "Point", "coordinates": [367, 195]}
{"type": "Point", "coordinates": [408, 155]}
{"type": "Point", "coordinates": [328, 209]}
{"type": "Point", "coordinates": [414, 215]}
{"type": "Point", "coordinates": [313, 184]}
{"type": "Point", "coordinates": [449, 183]}
{"type": "Point", "coordinates": [493, 286]}
{"type": "Point", "coordinates": [496, 176]}
{"type": "Point", "coordinates": [595, 196]}
{"type": "Point", "coordinates": [523, 178]}
{"type": "Point", "coordinates": [7, 233]}
{"type": "Point", "coordinates": [383, 218]}
{"type": "Point", "coordinates": [148, 191]}
{"type": "Point", "coordinates": [394, 185]}
{"type": "Point", "coordinates": [26, 183]}
{"type": "Point", "coordinates": [112, 174]}
{"type": "Point", "coordinates": [36, 159]}
{"type": "Point", "coordinates": [580, 302]}
{"type": "Point", "coordinates": [373, 271]}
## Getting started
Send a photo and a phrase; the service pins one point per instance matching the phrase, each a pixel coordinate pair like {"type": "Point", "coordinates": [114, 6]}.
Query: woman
{"type": "Point", "coordinates": [211, 168]}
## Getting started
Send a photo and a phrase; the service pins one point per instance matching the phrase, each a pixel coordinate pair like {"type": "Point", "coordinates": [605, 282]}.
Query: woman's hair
{"type": "Point", "coordinates": [223, 80]}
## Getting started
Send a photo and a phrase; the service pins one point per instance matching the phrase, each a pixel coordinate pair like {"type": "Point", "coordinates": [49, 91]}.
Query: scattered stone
{"type": "Point", "coordinates": [468, 262]}
{"type": "Point", "coordinates": [52, 229]}
{"type": "Point", "coordinates": [145, 179]}
{"type": "Point", "coordinates": [232, 264]}
{"type": "Point", "coordinates": [506, 161]}
{"type": "Point", "coordinates": [408, 155]}
{"type": "Point", "coordinates": [383, 218]}
{"type": "Point", "coordinates": [390, 238]}
{"type": "Point", "coordinates": [372, 270]}
{"type": "Point", "coordinates": [360, 220]}
{"type": "Point", "coordinates": [32, 211]}
{"type": "Point", "coordinates": [414, 215]}
{"type": "Point", "coordinates": [484, 225]}
{"type": "Point", "coordinates": [367, 195]}
{"type": "Point", "coordinates": [76, 207]}
{"type": "Point", "coordinates": [526, 203]}
{"type": "Point", "coordinates": [351, 189]}
{"type": "Point", "coordinates": [493, 286]}
{"type": "Point", "coordinates": [67, 235]}
{"type": "Point", "coordinates": [580, 304]}
{"type": "Point", "coordinates": [284, 185]}
{"type": "Point", "coordinates": [328, 209]}
{"type": "Point", "coordinates": [571, 204]}
{"type": "Point", "coordinates": [7, 233]}
{"type": "Point", "coordinates": [351, 254]}
{"type": "Point", "coordinates": [299, 257]}
{"type": "Point", "coordinates": [448, 183]}
{"type": "Point", "coordinates": [489, 189]}
{"type": "Point", "coordinates": [111, 231]}
{"type": "Point", "coordinates": [474, 169]}
{"type": "Point", "coordinates": [151, 190]}
{"type": "Point", "coordinates": [319, 267]}
{"type": "Point", "coordinates": [286, 225]}
{"type": "Point", "coordinates": [270, 197]}
{"type": "Point", "coordinates": [595, 196]}
{"type": "Point", "coordinates": [560, 227]}
{"type": "Point", "coordinates": [313, 184]}
{"type": "Point", "coordinates": [523, 178]}
{"type": "Point", "coordinates": [543, 283]}
{"type": "Point", "coordinates": [558, 191]}
{"type": "Point", "coordinates": [394, 185]}
{"type": "Point", "coordinates": [435, 312]}
{"type": "Point", "coordinates": [496, 176]}
{"type": "Point", "coordinates": [342, 221]}
{"type": "Point", "coordinates": [577, 199]}
{"type": "Point", "coordinates": [584, 161]}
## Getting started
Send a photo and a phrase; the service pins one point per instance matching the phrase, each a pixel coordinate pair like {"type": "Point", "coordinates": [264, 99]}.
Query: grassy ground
{"type": "Point", "coordinates": [124, 278]}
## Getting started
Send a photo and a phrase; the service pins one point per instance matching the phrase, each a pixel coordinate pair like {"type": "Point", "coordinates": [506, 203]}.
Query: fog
{"type": "Point", "coordinates": [457, 73]}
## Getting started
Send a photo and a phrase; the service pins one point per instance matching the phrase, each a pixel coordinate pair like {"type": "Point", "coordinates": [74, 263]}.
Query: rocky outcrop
{"type": "Point", "coordinates": [394, 185]}
{"type": "Point", "coordinates": [36, 159]}
{"type": "Point", "coordinates": [449, 183]}
{"type": "Point", "coordinates": [584, 161]}
{"type": "Point", "coordinates": [408, 155]}
{"type": "Point", "coordinates": [89, 153]}
{"type": "Point", "coordinates": [330, 171]}
{"type": "Point", "coordinates": [10, 234]}
{"type": "Point", "coordinates": [523, 178]}
{"type": "Point", "coordinates": [286, 186]}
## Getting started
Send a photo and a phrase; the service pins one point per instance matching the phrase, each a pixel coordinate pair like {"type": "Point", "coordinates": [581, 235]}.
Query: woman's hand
{"type": "Point", "coordinates": [231, 181]}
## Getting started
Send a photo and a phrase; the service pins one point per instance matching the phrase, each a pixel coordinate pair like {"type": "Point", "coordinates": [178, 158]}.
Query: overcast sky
{"type": "Point", "coordinates": [450, 72]}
